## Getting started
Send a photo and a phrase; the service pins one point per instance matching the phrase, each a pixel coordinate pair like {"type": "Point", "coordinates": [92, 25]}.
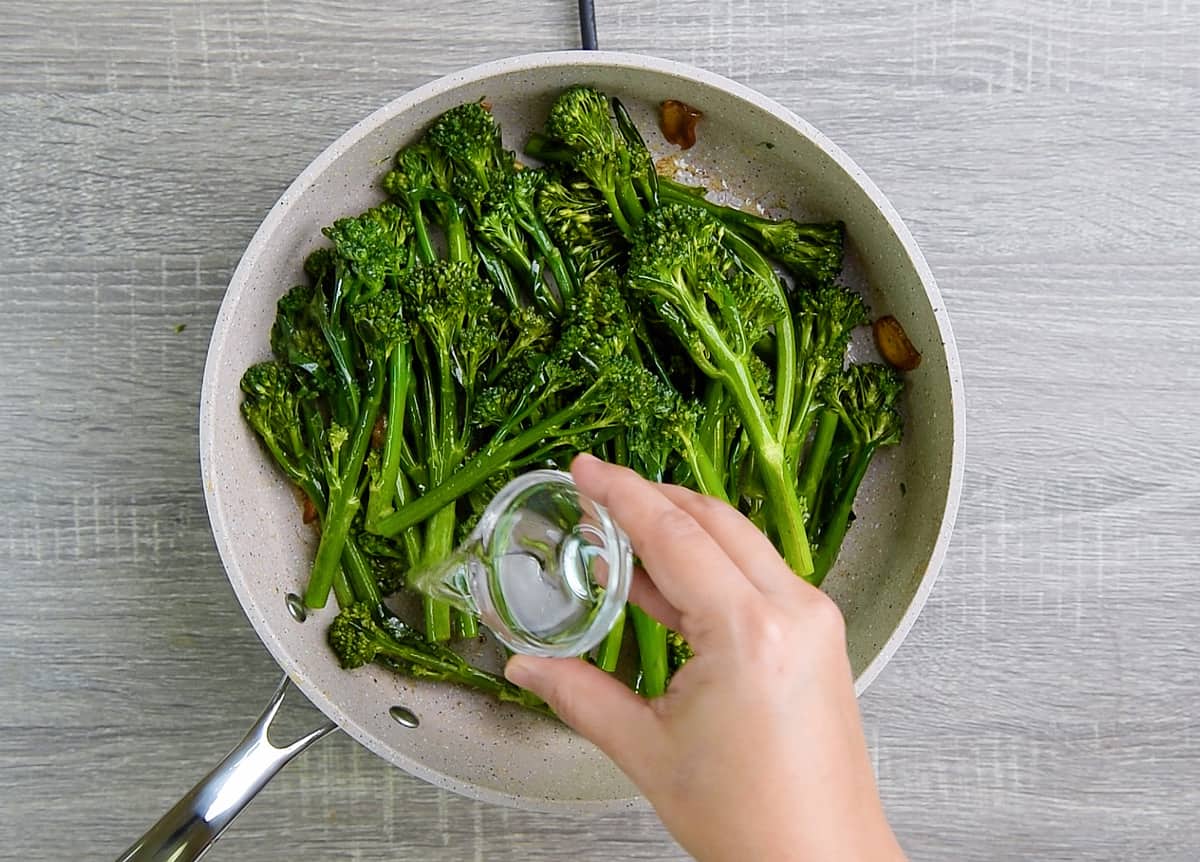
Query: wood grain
{"type": "Point", "coordinates": [1047, 704]}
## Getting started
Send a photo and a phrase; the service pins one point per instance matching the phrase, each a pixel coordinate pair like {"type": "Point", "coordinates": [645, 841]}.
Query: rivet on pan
{"type": "Point", "coordinates": [404, 716]}
{"type": "Point", "coordinates": [296, 607]}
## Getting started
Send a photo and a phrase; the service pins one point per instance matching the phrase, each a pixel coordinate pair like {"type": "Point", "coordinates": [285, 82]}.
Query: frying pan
{"type": "Point", "coordinates": [750, 149]}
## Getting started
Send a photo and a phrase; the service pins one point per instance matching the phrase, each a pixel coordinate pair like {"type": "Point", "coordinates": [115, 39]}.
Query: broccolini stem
{"type": "Point", "coordinates": [341, 590]}
{"type": "Point", "coordinates": [425, 424]}
{"type": "Point", "coordinates": [614, 206]}
{"type": "Point", "coordinates": [712, 425]}
{"type": "Point", "coordinates": [785, 332]}
{"type": "Point", "coordinates": [827, 487]}
{"type": "Point", "coordinates": [341, 585]}
{"type": "Point", "coordinates": [672, 191]}
{"type": "Point", "coordinates": [344, 501]}
{"type": "Point", "coordinates": [814, 463]}
{"type": "Point", "coordinates": [475, 472]}
{"type": "Point", "coordinates": [642, 348]}
{"type": "Point", "coordinates": [465, 625]}
{"type": "Point", "coordinates": [544, 149]}
{"type": "Point", "coordinates": [359, 576]}
{"type": "Point", "coordinates": [346, 397]}
{"type": "Point", "coordinates": [652, 651]}
{"type": "Point", "coordinates": [412, 542]}
{"type": "Point", "coordinates": [334, 530]}
{"type": "Point", "coordinates": [609, 652]}
{"type": "Point", "coordinates": [544, 298]}
{"type": "Point", "coordinates": [708, 478]}
{"type": "Point", "coordinates": [739, 458]}
{"type": "Point", "coordinates": [499, 688]}
{"type": "Point", "coordinates": [620, 450]}
{"type": "Point", "coordinates": [526, 268]}
{"type": "Point", "coordinates": [447, 427]}
{"type": "Point", "coordinates": [439, 542]}
{"type": "Point", "coordinates": [439, 534]}
{"type": "Point", "coordinates": [499, 274]}
{"type": "Point", "coordinates": [647, 181]}
{"type": "Point", "coordinates": [631, 204]}
{"type": "Point", "coordinates": [610, 648]}
{"type": "Point", "coordinates": [382, 492]}
{"type": "Point", "coordinates": [517, 259]}
{"type": "Point", "coordinates": [839, 518]}
{"type": "Point", "coordinates": [566, 280]}
{"type": "Point", "coordinates": [411, 661]}
{"type": "Point", "coordinates": [789, 516]}
{"type": "Point", "coordinates": [768, 450]}
{"type": "Point", "coordinates": [802, 421]}
{"type": "Point", "coordinates": [457, 245]}
{"type": "Point", "coordinates": [314, 426]}
{"type": "Point", "coordinates": [300, 476]}
{"type": "Point", "coordinates": [425, 250]}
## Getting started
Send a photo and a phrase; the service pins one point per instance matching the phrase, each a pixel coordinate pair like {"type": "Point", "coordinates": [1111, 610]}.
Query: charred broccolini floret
{"type": "Point", "coordinates": [358, 638]}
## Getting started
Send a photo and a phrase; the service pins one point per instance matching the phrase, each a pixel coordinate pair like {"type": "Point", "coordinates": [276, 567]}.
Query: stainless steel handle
{"type": "Point", "coordinates": [186, 831]}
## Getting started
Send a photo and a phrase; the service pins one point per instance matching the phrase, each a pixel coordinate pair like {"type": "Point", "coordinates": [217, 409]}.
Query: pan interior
{"type": "Point", "coordinates": [752, 151]}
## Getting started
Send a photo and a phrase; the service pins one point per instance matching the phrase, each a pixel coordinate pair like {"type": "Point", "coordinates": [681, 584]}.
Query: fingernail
{"type": "Point", "coordinates": [518, 671]}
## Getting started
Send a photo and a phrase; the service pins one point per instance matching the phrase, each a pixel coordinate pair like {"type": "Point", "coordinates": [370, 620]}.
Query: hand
{"type": "Point", "coordinates": [756, 751]}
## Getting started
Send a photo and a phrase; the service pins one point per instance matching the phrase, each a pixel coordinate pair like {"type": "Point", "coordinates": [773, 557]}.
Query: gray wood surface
{"type": "Point", "coordinates": [1047, 704]}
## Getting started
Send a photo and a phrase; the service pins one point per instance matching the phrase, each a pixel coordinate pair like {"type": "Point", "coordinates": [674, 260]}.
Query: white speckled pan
{"type": "Point", "coordinates": [765, 153]}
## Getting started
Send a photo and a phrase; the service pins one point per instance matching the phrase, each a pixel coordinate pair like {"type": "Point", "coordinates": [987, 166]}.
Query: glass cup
{"type": "Point", "coordinates": [546, 568]}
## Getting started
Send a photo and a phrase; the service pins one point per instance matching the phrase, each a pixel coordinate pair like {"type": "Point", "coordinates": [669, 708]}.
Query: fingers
{"type": "Point", "coordinates": [646, 596]}
{"type": "Point", "coordinates": [596, 704]}
{"type": "Point", "coordinates": [744, 543]}
{"type": "Point", "coordinates": [686, 564]}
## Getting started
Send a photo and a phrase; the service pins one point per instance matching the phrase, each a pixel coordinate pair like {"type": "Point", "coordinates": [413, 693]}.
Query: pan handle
{"type": "Point", "coordinates": [186, 831]}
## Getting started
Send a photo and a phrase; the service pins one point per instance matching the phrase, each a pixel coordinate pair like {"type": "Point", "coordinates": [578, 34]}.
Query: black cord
{"type": "Point", "coordinates": [587, 25]}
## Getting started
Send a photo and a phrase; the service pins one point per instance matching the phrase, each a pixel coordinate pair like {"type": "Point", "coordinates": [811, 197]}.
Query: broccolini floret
{"type": "Point", "coordinates": [865, 399]}
{"type": "Point", "coordinates": [490, 318]}
{"type": "Point", "coordinates": [581, 123]}
{"type": "Point", "coordinates": [469, 138]}
{"type": "Point", "coordinates": [358, 639]}
{"type": "Point", "coordinates": [679, 651]}
{"type": "Point", "coordinates": [718, 314]}
{"type": "Point", "coordinates": [812, 253]}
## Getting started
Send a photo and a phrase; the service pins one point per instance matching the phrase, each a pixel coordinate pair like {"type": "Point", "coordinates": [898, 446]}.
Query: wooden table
{"type": "Point", "coordinates": [1047, 704]}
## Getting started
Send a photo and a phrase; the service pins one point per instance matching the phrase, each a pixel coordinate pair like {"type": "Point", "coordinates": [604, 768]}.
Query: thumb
{"type": "Point", "coordinates": [594, 703]}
